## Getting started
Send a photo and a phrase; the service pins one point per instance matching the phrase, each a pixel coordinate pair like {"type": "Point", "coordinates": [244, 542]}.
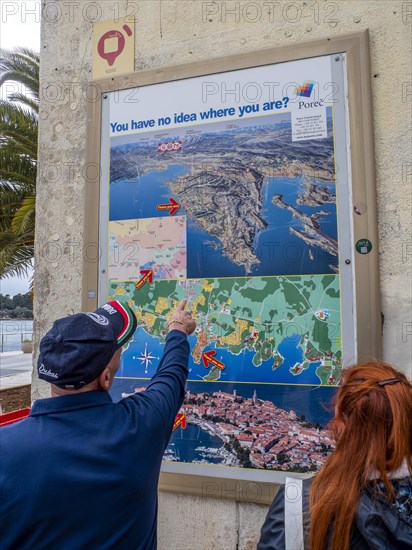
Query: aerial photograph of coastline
{"type": "Point", "coordinates": [256, 202]}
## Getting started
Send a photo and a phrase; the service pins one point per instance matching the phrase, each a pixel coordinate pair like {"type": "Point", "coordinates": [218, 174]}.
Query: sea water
{"type": "Point", "coordinates": [279, 252]}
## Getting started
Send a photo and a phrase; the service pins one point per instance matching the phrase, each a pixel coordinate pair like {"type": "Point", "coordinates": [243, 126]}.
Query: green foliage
{"type": "Point", "coordinates": [215, 418]}
{"type": "Point", "coordinates": [311, 425]}
{"type": "Point", "coordinates": [244, 457]}
{"type": "Point", "coordinates": [282, 458]}
{"type": "Point", "coordinates": [19, 300]}
{"type": "Point", "coordinates": [19, 306]}
{"type": "Point", "coordinates": [18, 161]}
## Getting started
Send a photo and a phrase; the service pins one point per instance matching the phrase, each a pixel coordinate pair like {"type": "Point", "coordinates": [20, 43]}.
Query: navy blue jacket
{"type": "Point", "coordinates": [81, 472]}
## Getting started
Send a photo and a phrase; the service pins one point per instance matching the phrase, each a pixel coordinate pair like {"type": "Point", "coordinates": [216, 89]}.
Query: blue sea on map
{"type": "Point", "coordinates": [183, 443]}
{"type": "Point", "coordinates": [279, 252]}
{"type": "Point", "coordinates": [238, 368]}
{"type": "Point", "coordinates": [131, 199]}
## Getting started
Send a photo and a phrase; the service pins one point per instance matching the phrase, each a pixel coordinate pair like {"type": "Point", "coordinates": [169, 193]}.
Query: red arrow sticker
{"type": "Point", "coordinates": [180, 420]}
{"type": "Point", "coordinates": [173, 207]}
{"type": "Point", "coordinates": [147, 276]}
{"type": "Point", "coordinates": [208, 360]}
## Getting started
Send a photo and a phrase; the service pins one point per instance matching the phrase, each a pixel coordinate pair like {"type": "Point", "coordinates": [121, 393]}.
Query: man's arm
{"type": "Point", "coordinates": [166, 389]}
{"type": "Point", "coordinates": [161, 401]}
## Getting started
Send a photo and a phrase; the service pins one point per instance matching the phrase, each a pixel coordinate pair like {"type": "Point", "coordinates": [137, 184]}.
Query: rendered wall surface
{"type": "Point", "coordinates": [174, 32]}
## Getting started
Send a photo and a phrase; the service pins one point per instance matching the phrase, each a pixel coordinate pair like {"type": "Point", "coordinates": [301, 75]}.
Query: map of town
{"type": "Point", "coordinates": [157, 244]}
{"type": "Point", "coordinates": [260, 329]}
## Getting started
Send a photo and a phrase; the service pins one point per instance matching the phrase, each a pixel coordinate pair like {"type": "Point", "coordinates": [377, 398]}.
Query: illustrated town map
{"type": "Point", "coordinates": [272, 329]}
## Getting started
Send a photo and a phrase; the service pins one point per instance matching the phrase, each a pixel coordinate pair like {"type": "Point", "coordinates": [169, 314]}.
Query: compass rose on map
{"type": "Point", "coordinates": [145, 358]}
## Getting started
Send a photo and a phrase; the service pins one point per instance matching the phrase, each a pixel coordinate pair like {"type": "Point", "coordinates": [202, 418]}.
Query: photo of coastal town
{"type": "Point", "coordinates": [256, 202]}
{"type": "Point", "coordinates": [255, 433]}
{"type": "Point", "coordinates": [229, 429]}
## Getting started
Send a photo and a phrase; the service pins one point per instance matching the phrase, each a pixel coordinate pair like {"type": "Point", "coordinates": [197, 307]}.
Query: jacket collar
{"type": "Point", "coordinates": [73, 402]}
{"type": "Point", "coordinates": [401, 472]}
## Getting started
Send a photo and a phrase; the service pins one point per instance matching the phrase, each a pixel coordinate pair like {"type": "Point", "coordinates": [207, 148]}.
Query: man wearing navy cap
{"type": "Point", "coordinates": [82, 471]}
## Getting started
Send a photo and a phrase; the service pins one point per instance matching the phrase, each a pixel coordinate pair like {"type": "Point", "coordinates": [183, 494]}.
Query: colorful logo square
{"type": "Point", "coordinates": [306, 89]}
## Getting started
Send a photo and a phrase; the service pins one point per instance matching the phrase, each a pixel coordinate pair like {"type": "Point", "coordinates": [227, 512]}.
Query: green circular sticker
{"type": "Point", "coordinates": [363, 246]}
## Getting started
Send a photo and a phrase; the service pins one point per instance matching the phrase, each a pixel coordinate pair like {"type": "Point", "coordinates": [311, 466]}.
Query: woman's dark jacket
{"type": "Point", "coordinates": [379, 524]}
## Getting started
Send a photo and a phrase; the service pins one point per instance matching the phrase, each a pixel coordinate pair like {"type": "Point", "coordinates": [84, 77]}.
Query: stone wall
{"type": "Point", "coordinates": [174, 32]}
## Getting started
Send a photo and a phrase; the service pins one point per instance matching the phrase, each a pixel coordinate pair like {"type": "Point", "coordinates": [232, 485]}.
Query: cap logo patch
{"type": "Point", "coordinates": [97, 318]}
{"type": "Point", "coordinates": [110, 309]}
{"type": "Point", "coordinates": [43, 370]}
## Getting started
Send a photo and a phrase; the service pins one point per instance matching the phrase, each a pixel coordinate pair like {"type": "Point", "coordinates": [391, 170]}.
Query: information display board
{"type": "Point", "coordinates": [233, 189]}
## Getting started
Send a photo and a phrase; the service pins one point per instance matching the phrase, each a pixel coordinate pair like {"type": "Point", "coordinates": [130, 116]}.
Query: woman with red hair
{"type": "Point", "coordinates": [362, 497]}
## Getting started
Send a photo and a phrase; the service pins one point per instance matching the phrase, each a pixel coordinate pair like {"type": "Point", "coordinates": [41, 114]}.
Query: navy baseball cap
{"type": "Point", "coordinates": [78, 348]}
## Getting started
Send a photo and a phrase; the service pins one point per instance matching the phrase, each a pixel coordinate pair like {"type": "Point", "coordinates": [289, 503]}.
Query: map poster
{"type": "Point", "coordinates": [230, 199]}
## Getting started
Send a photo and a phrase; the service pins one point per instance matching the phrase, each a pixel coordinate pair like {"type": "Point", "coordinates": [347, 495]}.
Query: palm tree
{"type": "Point", "coordinates": [18, 161]}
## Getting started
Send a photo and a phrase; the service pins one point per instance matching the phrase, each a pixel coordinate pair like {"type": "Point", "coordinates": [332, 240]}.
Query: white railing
{"type": "Point", "coordinates": [13, 333]}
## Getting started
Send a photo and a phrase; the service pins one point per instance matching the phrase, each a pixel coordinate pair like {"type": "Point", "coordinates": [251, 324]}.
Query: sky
{"type": "Point", "coordinates": [19, 26]}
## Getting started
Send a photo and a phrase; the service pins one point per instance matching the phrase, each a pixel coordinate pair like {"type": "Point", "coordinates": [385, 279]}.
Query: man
{"type": "Point", "coordinates": [81, 472]}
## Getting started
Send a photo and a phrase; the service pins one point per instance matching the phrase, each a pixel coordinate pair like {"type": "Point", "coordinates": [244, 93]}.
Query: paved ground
{"type": "Point", "coordinates": [15, 369]}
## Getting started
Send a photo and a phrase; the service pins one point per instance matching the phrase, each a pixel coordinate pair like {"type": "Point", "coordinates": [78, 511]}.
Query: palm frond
{"type": "Point", "coordinates": [24, 100]}
{"type": "Point", "coordinates": [19, 126]}
{"type": "Point", "coordinates": [20, 65]}
{"type": "Point", "coordinates": [10, 199]}
{"type": "Point", "coordinates": [17, 171]}
{"type": "Point", "coordinates": [18, 162]}
{"type": "Point", "coordinates": [9, 239]}
{"type": "Point", "coordinates": [23, 219]}
{"type": "Point", "coordinates": [16, 259]}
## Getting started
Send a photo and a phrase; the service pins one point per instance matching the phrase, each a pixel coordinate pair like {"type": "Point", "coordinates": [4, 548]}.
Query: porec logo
{"type": "Point", "coordinates": [306, 89]}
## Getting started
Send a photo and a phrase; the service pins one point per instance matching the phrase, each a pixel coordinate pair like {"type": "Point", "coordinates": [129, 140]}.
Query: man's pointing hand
{"type": "Point", "coordinates": [182, 319]}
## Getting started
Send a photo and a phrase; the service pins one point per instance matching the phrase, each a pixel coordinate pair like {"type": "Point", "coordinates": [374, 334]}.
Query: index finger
{"type": "Point", "coordinates": [182, 304]}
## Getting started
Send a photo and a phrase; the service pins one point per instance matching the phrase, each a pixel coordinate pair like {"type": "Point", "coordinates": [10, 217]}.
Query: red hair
{"type": "Point", "coordinates": [372, 429]}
